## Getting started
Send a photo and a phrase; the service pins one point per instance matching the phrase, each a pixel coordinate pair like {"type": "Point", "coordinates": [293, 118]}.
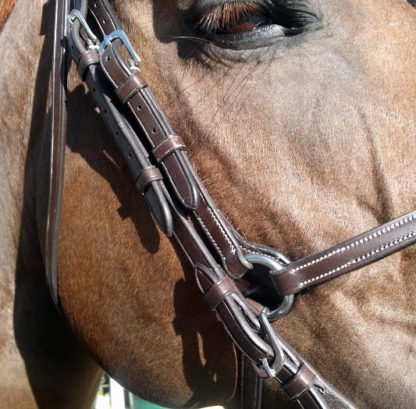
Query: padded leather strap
{"type": "Point", "coordinates": [57, 154]}
{"type": "Point", "coordinates": [131, 86]}
{"type": "Point", "coordinates": [251, 385]}
{"type": "Point", "coordinates": [300, 383]}
{"type": "Point", "coordinates": [347, 256]}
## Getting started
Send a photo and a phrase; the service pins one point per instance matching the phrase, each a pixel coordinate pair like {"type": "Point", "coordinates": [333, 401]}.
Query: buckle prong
{"type": "Point", "coordinates": [267, 369]}
{"type": "Point", "coordinates": [76, 15]}
{"type": "Point", "coordinates": [121, 35]}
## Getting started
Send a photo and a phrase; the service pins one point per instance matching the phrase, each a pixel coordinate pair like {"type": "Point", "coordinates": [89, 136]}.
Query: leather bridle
{"type": "Point", "coordinates": [184, 210]}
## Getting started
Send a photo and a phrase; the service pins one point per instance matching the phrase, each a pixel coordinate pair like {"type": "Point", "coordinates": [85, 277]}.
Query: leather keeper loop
{"type": "Point", "coordinates": [300, 383]}
{"type": "Point", "coordinates": [167, 147]}
{"type": "Point", "coordinates": [86, 59]}
{"type": "Point", "coordinates": [148, 175]}
{"type": "Point", "coordinates": [217, 293]}
{"type": "Point", "coordinates": [134, 83]}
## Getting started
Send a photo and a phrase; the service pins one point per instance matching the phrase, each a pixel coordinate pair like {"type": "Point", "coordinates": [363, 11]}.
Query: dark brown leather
{"type": "Point", "coordinates": [251, 385]}
{"type": "Point", "coordinates": [165, 148]}
{"type": "Point", "coordinates": [131, 86]}
{"type": "Point", "coordinates": [86, 59]}
{"type": "Point", "coordinates": [147, 176]}
{"type": "Point", "coordinates": [217, 292]}
{"type": "Point", "coordinates": [347, 256]}
{"type": "Point", "coordinates": [105, 18]}
{"type": "Point", "coordinates": [57, 154]}
{"type": "Point", "coordinates": [176, 166]}
{"type": "Point", "coordinates": [300, 383]}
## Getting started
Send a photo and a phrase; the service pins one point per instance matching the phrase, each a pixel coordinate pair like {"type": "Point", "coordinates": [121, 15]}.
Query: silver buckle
{"type": "Point", "coordinates": [121, 35]}
{"type": "Point", "coordinates": [266, 369]}
{"type": "Point", "coordinates": [76, 15]}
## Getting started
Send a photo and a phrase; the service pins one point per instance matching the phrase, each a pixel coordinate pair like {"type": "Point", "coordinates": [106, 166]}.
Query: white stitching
{"type": "Point", "coordinates": [233, 249]}
{"type": "Point", "coordinates": [358, 242]}
{"type": "Point", "coordinates": [212, 240]}
{"type": "Point", "coordinates": [358, 259]}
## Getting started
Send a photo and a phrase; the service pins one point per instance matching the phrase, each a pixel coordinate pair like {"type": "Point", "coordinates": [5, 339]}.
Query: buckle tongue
{"type": "Point", "coordinates": [76, 15]}
{"type": "Point", "coordinates": [267, 369]}
{"type": "Point", "coordinates": [121, 35]}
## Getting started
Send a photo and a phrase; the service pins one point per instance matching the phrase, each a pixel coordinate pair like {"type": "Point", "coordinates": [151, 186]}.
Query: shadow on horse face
{"type": "Point", "coordinates": [56, 362]}
{"type": "Point", "coordinates": [100, 154]}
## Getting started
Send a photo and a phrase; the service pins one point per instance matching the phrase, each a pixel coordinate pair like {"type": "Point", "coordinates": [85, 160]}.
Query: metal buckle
{"type": "Point", "coordinates": [121, 35]}
{"type": "Point", "coordinates": [274, 265]}
{"type": "Point", "coordinates": [76, 15]}
{"type": "Point", "coordinates": [267, 370]}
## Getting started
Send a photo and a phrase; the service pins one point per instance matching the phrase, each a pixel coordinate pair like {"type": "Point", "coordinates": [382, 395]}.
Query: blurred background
{"type": "Point", "coordinates": [112, 395]}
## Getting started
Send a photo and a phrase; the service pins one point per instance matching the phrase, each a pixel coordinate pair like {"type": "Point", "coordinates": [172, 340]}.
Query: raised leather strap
{"type": "Point", "coordinates": [154, 124]}
{"type": "Point", "coordinates": [58, 140]}
{"type": "Point", "coordinates": [86, 59]}
{"type": "Point", "coordinates": [217, 293]}
{"type": "Point", "coordinates": [347, 256]}
{"type": "Point", "coordinates": [131, 86]}
{"type": "Point", "coordinates": [300, 383]}
{"type": "Point", "coordinates": [148, 175]}
{"type": "Point", "coordinates": [169, 145]}
{"type": "Point", "coordinates": [251, 385]}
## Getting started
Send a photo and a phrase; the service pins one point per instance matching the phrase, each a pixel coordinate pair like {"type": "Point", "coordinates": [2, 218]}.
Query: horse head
{"type": "Point", "coordinates": [299, 119]}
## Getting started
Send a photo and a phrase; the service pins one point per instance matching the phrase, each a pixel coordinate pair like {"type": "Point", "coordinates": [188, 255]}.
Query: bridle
{"type": "Point", "coordinates": [185, 212]}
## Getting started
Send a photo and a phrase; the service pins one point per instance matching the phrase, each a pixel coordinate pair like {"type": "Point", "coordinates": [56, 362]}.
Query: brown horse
{"type": "Point", "coordinates": [302, 142]}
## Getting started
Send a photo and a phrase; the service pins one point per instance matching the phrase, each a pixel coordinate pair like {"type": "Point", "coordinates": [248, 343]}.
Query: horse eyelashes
{"type": "Point", "coordinates": [229, 16]}
{"type": "Point", "coordinates": [238, 16]}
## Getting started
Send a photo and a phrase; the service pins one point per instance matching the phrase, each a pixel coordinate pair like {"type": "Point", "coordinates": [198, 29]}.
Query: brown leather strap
{"type": "Point", "coordinates": [105, 18]}
{"type": "Point", "coordinates": [217, 293]}
{"type": "Point", "coordinates": [57, 154]}
{"type": "Point", "coordinates": [300, 383]}
{"type": "Point", "coordinates": [169, 145]}
{"type": "Point", "coordinates": [251, 385]}
{"type": "Point", "coordinates": [347, 256]}
{"type": "Point", "coordinates": [148, 175]}
{"type": "Point", "coordinates": [131, 86]}
{"type": "Point", "coordinates": [86, 59]}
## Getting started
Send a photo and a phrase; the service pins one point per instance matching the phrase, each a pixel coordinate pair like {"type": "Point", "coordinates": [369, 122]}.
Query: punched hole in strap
{"type": "Point", "coordinates": [168, 146]}
{"type": "Point", "coordinates": [86, 59]}
{"type": "Point", "coordinates": [217, 293]}
{"type": "Point", "coordinates": [147, 176]}
{"type": "Point", "coordinates": [134, 83]}
{"type": "Point", "coordinates": [300, 383]}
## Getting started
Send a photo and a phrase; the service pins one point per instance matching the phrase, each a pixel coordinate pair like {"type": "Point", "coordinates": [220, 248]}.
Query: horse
{"type": "Point", "coordinates": [303, 141]}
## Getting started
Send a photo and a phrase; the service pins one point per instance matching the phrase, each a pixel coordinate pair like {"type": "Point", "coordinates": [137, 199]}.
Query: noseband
{"type": "Point", "coordinates": [185, 212]}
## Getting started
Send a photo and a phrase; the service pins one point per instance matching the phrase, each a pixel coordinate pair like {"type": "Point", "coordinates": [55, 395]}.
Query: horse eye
{"type": "Point", "coordinates": [242, 25]}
